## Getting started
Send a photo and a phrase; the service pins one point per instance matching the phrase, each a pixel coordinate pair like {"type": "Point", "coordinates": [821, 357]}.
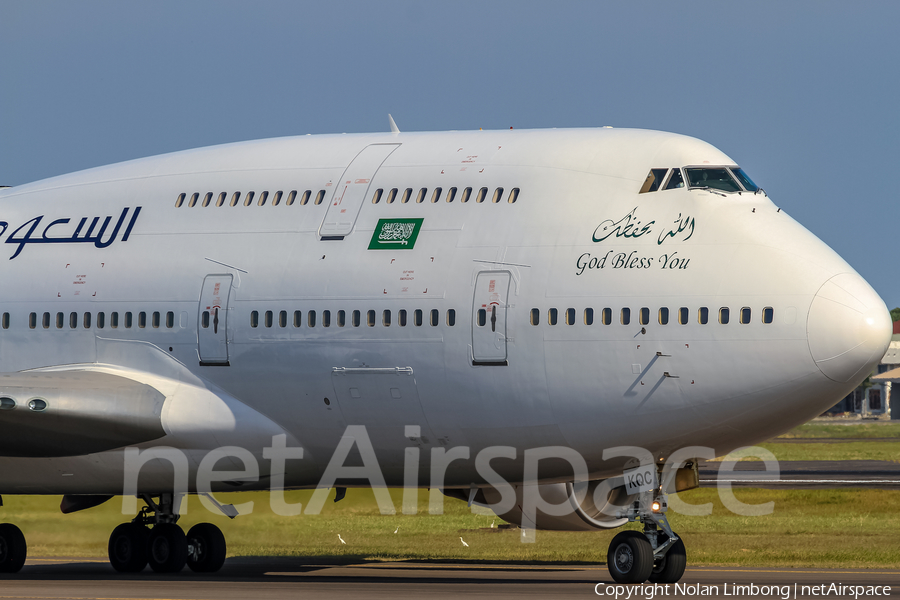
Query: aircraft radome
{"type": "Point", "coordinates": [556, 323]}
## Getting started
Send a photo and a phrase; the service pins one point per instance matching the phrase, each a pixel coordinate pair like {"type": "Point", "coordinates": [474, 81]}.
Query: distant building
{"type": "Point", "coordinates": [875, 399]}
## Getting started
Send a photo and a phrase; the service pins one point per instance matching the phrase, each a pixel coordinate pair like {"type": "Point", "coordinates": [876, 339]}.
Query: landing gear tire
{"type": "Point", "coordinates": [670, 567]}
{"type": "Point", "coordinates": [13, 549]}
{"type": "Point", "coordinates": [206, 548]}
{"type": "Point", "coordinates": [128, 548]}
{"type": "Point", "coordinates": [167, 548]}
{"type": "Point", "coordinates": [630, 557]}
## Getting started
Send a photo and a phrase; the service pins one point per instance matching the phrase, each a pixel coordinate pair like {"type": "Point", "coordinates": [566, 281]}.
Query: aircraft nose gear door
{"type": "Point", "coordinates": [351, 190]}
{"type": "Point", "coordinates": [489, 318]}
{"type": "Point", "coordinates": [212, 333]}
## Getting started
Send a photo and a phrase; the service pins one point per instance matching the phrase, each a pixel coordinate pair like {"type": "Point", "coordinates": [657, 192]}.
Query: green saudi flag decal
{"type": "Point", "coordinates": [395, 234]}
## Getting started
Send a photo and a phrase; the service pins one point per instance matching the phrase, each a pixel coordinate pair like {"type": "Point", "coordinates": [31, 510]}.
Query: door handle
{"type": "Point", "coordinates": [216, 320]}
{"type": "Point", "coordinates": [494, 318]}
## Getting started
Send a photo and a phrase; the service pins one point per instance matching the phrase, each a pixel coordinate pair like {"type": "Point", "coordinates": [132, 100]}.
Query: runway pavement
{"type": "Point", "coordinates": [819, 474]}
{"type": "Point", "coordinates": [275, 578]}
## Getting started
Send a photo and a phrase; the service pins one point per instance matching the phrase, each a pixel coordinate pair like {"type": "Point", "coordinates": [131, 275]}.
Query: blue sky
{"type": "Point", "coordinates": [804, 95]}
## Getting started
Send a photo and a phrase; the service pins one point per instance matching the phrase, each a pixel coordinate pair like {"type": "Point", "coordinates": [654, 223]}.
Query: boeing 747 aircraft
{"type": "Point", "coordinates": [535, 320]}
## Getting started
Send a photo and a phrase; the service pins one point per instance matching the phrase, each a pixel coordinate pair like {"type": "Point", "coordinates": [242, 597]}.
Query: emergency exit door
{"type": "Point", "coordinates": [489, 318]}
{"type": "Point", "coordinates": [351, 190]}
{"type": "Point", "coordinates": [212, 330]}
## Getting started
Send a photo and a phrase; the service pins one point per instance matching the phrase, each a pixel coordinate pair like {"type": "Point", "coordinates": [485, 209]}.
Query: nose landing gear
{"type": "Point", "coordinates": [165, 547]}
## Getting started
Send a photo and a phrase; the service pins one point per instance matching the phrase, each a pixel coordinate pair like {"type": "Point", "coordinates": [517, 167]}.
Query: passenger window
{"type": "Point", "coordinates": [101, 320]}
{"type": "Point", "coordinates": [436, 195]}
{"type": "Point", "coordinates": [326, 318]}
{"type": "Point", "coordinates": [392, 195]}
{"type": "Point", "coordinates": [235, 198]}
{"type": "Point", "coordinates": [451, 317]}
{"type": "Point", "coordinates": [386, 318]}
{"type": "Point", "coordinates": [276, 199]}
{"type": "Point", "coordinates": [179, 201]}
{"type": "Point", "coordinates": [654, 180]}
{"type": "Point", "coordinates": [589, 316]}
{"type": "Point", "coordinates": [113, 320]}
{"type": "Point", "coordinates": [535, 317]}
{"type": "Point", "coordinates": [254, 319]}
{"type": "Point", "coordinates": [683, 315]}
{"type": "Point", "coordinates": [87, 320]}
{"type": "Point", "coordinates": [194, 198]}
{"type": "Point", "coordinates": [435, 317]}
{"type": "Point", "coordinates": [417, 317]}
{"type": "Point", "coordinates": [570, 316]}
{"type": "Point", "coordinates": [482, 194]}
{"type": "Point", "coordinates": [341, 318]}
{"type": "Point", "coordinates": [626, 316]}
{"type": "Point", "coordinates": [664, 316]}
{"type": "Point", "coordinates": [305, 198]}
{"type": "Point", "coordinates": [291, 198]}
{"type": "Point", "coordinates": [319, 197]}
{"type": "Point", "coordinates": [498, 194]}
{"type": "Point", "coordinates": [451, 194]}
{"type": "Point", "coordinates": [298, 318]}
{"type": "Point", "coordinates": [644, 316]}
{"type": "Point", "coordinates": [717, 179]}
{"type": "Point", "coordinates": [606, 317]}
{"type": "Point", "coordinates": [745, 315]}
{"type": "Point", "coordinates": [401, 317]}
{"type": "Point", "coordinates": [552, 316]}
{"type": "Point", "coordinates": [723, 315]}
{"type": "Point", "coordinates": [60, 320]}
{"type": "Point", "coordinates": [269, 318]}
{"type": "Point", "coordinates": [207, 199]}
{"type": "Point", "coordinates": [128, 320]}
{"type": "Point", "coordinates": [311, 318]}
{"type": "Point", "coordinates": [675, 180]}
{"type": "Point", "coordinates": [376, 197]}
{"type": "Point", "coordinates": [421, 197]}
{"type": "Point", "coordinates": [356, 318]}
{"type": "Point", "coordinates": [407, 193]}
{"type": "Point", "coordinates": [221, 199]}
{"type": "Point", "coordinates": [45, 320]}
{"type": "Point", "coordinates": [513, 195]}
{"type": "Point", "coordinates": [768, 314]}
{"type": "Point", "coordinates": [465, 195]}
{"type": "Point", "coordinates": [249, 199]}
{"type": "Point", "coordinates": [282, 319]}
{"type": "Point", "coordinates": [370, 318]}
{"type": "Point", "coordinates": [155, 320]}
{"type": "Point", "coordinates": [204, 319]}
{"type": "Point", "coordinates": [170, 320]}
{"type": "Point", "coordinates": [703, 316]}
{"type": "Point", "coordinates": [32, 321]}
{"type": "Point", "coordinates": [482, 317]}
{"type": "Point", "coordinates": [5, 320]}
{"type": "Point", "coordinates": [73, 320]}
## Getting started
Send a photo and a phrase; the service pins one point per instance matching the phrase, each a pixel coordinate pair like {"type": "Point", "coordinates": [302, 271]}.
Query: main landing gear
{"type": "Point", "coordinates": [165, 547]}
{"type": "Point", "coordinates": [656, 555]}
{"type": "Point", "coordinates": [13, 549]}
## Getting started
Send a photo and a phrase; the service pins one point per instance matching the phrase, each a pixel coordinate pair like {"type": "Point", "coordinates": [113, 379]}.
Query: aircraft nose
{"type": "Point", "coordinates": [849, 328]}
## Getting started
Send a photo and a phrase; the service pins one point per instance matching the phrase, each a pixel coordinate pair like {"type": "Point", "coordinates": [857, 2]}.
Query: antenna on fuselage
{"type": "Point", "coordinates": [394, 128]}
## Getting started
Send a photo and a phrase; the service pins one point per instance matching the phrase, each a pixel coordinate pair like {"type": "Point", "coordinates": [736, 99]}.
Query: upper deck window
{"type": "Point", "coordinates": [712, 178]}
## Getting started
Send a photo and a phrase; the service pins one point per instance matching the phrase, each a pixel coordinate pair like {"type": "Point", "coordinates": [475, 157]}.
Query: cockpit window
{"type": "Point", "coordinates": [712, 178]}
{"type": "Point", "coordinates": [745, 181]}
{"type": "Point", "coordinates": [653, 181]}
{"type": "Point", "coordinates": [675, 180]}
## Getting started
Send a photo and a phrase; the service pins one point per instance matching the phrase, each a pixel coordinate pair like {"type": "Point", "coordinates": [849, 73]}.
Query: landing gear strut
{"type": "Point", "coordinates": [657, 554]}
{"type": "Point", "coordinates": [165, 547]}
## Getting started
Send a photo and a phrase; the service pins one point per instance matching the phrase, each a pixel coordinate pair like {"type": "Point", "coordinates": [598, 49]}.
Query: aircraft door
{"type": "Point", "coordinates": [352, 189]}
{"type": "Point", "coordinates": [489, 318]}
{"type": "Point", "coordinates": [212, 330]}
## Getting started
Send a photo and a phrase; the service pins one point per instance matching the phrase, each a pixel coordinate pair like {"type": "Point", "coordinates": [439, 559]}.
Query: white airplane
{"type": "Point", "coordinates": [452, 292]}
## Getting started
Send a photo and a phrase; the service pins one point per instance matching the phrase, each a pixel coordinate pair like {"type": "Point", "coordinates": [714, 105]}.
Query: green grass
{"type": "Point", "coordinates": [808, 528]}
{"type": "Point", "coordinates": [851, 430]}
{"type": "Point", "coordinates": [889, 451]}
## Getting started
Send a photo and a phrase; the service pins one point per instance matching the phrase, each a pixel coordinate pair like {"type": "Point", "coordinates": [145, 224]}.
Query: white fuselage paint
{"type": "Point", "coordinates": [588, 387]}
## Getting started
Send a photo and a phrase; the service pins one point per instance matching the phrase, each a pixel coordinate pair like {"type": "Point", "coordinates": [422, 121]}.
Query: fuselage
{"type": "Point", "coordinates": [560, 306]}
